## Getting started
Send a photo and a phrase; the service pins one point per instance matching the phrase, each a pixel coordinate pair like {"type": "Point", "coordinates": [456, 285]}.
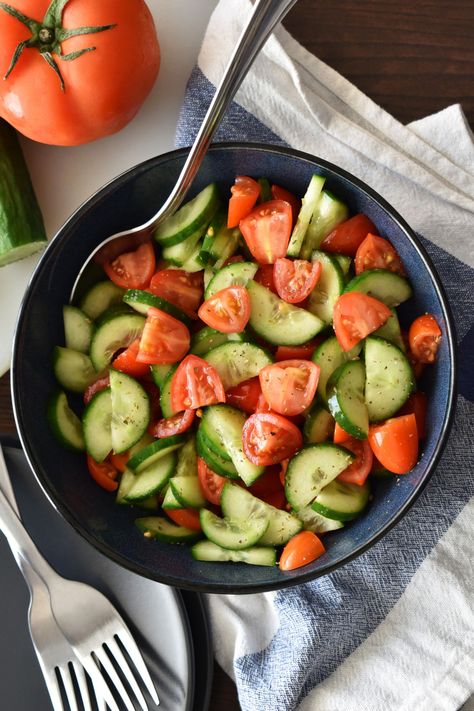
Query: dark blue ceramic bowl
{"type": "Point", "coordinates": [130, 200]}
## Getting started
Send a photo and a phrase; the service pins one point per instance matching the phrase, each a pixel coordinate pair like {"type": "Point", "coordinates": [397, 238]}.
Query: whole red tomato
{"type": "Point", "coordinates": [66, 89]}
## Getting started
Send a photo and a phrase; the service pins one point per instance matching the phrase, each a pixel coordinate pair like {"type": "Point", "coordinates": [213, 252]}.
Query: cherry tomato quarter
{"type": "Point", "coordinates": [395, 443]}
{"type": "Point", "coordinates": [347, 237]}
{"type": "Point", "coordinates": [169, 426]}
{"type": "Point", "coordinates": [164, 339]}
{"type": "Point", "coordinates": [377, 253]}
{"type": "Point", "coordinates": [301, 550]}
{"type": "Point", "coordinates": [195, 384]}
{"type": "Point", "coordinates": [268, 438]}
{"type": "Point", "coordinates": [424, 338]}
{"type": "Point", "coordinates": [245, 396]}
{"type": "Point", "coordinates": [211, 483]}
{"type": "Point", "coordinates": [279, 193]}
{"type": "Point", "coordinates": [227, 311]}
{"type": "Point", "coordinates": [359, 470]}
{"type": "Point", "coordinates": [181, 288]}
{"type": "Point", "coordinates": [267, 231]}
{"type": "Point", "coordinates": [295, 279]}
{"type": "Point", "coordinates": [132, 270]}
{"type": "Point", "coordinates": [289, 386]}
{"type": "Point", "coordinates": [355, 316]}
{"type": "Point", "coordinates": [103, 473]}
{"type": "Point", "coordinates": [245, 194]}
{"type": "Point", "coordinates": [127, 362]}
{"type": "Point", "coordinates": [189, 518]}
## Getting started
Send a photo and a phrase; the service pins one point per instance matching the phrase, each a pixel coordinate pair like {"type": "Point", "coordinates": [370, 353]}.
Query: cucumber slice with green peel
{"type": "Point", "coordinates": [226, 424]}
{"type": "Point", "coordinates": [158, 449]}
{"type": "Point", "coordinates": [239, 504]}
{"type": "Point", "coordinates": [189, 219]}
{"type": "Point", "coordinates": [311, 469]}
{"type": "Point", "coordinates": [214, 461]}
{"type": "Point", "coordinates": [193, 263]}
{"type": "Point", "coordinates": [179, 253]}
{"type": "Point", "coordinates": [265, 191]}
{"type": "Point", "coordinates": [150, 504]}
{"type": "Point", "coordinates": [211, 438]}
{"type": "Point", "coordinates": [318, 425]}
{"type": "Point", "coordinates": [65, 423]}
{"type": "Point", "coordinates": [391, 331]}
{"type": "Point", "coordinates": [165, 394]}
{"type": "Point", "coordinates": [308, 206]}
{"type": "Point", "coordinates": [187, 459]}
{"type": "Point", "coordinates": [207, 276]}
{"type": "Point", "coordinates": [237, 274]}
{"type": "Point", "coordinates": [236, 535]}
{"type": "Point", "coordinates": [170, 501]}
{"type": "Point", "coordinates": [329, 212]}
{"type": "Point", "coordinates": [346, 400]}
{"type": "Point", "coordinates": [164, 530]}
{"type": "Point", "coordinates": [159, 372]}
{"type": "Point", "coordinates": [345, 263]}
{"type": "Point", "coordinates": [330, 286]}
{"type": "Point", "coordinates": [341, 501]}
{"type": "Point", "coordinates": [388, 287]}
{"type": "Point", "coordinates": [208, 338]}
{"type": "Point", "coordinates": [97, 425]}
{"type": "Point", "coordinates": [389, 378]}
{"type": "Point", "coordinates": [151, 479]}
{"type": "Point", "coordinates": [77, 329]}
{"type": "Point", "coordinates": [127, 479]}
{"type": "Point", "coordinates": [116, 332]}
{"type": "Point", "coordinates": [329, 356]}
{"type": "Point", "coordinates": [73, 370]}
{"type": "Point", "coordinates": [316, 522]}
{"type": "Point", "coordinates": [211, 552]}
{"type": "Point", "coordinates": [101, 297]}
{"type": "Point", "coordinates": [220, 242]}
{"type": "Point", "coordinates": [141, 301]}
{"type": "Point", "coordinates": [130, 411]}
{"type": "Point", "coordinates": [187, 491]}
{"type": "Point", "coordinates": [236, 362]}
{"type": "Point", "coordinates": [278, 322]}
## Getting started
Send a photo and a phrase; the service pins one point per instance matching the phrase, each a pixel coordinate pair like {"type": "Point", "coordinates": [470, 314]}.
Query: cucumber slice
{"type": "Point", "coordinates": [346, 401]}
{"type": "Point", "coordinates": [159, 372]}
{"type": "Point", "coordinates": [187, 459]}
{"type": "Point", "coordinates": [130, 411]}
{"type": "Point", "coordinates": [344, 263]}
{"type": "Point", "coordinates": [318, 425]}
{"type": "Point", "coordinates": [117, 331]}
{"type": "Point", "coordinates": [220, 242]}
{"type": "Point", "coordinates": [163, 530]}
{"type": "Point", "coordinates": [257, 555]}
{"type": "Point", "coordinates": [193, 263]}
{"type": "Point", "coordinates": [278, 322]}
{"type": "Point", "coordinates": [180, 253]}
{"type": "Point", "coordinates": [151, 479]}
{"type": "Point", "coordinates": [308, 207]}
{"type": "Point", "coordinates": [207, 276]}
{"type": "Point", "coordinates": [316, 522]}
{"type": "Point", "coordinates": [237, 274]}
{"type": "Point", "coordinates": [170, 501]}
{"type": "Point", "coordinates": [311, 469]}
{"type": "Point", "coordinates": [65, 423]}
{"type": "Point", "coordinates": [153, 452]}
{"type": "Point", "coordinates": [341, 501]}
{"type": "Point", "coordinates": [328, 289]}
{"type": "Point", "coordinates": [391, 331]}
{"type": "Point", "coordinates": [208, 338]}
{"type": "Point", "coordinates": [239, 504]}
{"type": "Point", "coordinates": [329, 212]}
{"type": "Point", "coordinates": [141, 301]}
{"type": "Point", "coordinates": [235, 535]}
{"type": "Point", "coordinates": [100, 298]}
{"type": "Point", "coordinates": [265, 191]}
{"type": "Point", "coordinates": [329, 356]}
{"type": "Point", "coordinates": [77, 329]}
{"type": "Point", "coordinates": [187, 491]}
{"type": "Point", "coordinates": [389, 378]}
{"type": "Point", "coordinates": [97, 425]}
{"type": "Point", "coordinates": [165, 394]}
{"type": "Point", "coordinates": [236, 362]}
{"type": "Point", "coordinates": [214, 461]}
{"type": "Point", "coordinates": [127, 480]}
{"type": "Point", "coordinates": [73, 370]}
{"type": "Point", "coordinates": [388, 287]}
{"type": "Point", "coordinates": [224, 424]}
{"type": "Point", "coordinates": [189, 219]}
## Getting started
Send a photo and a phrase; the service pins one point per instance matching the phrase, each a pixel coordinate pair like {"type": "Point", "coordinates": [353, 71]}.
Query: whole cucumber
{"type": "Point", "coordinates": [21, 224]}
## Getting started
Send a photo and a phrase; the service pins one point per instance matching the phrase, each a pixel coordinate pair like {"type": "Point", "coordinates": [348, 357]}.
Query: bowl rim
{"type": "Point", "coordinates": [300, 577]}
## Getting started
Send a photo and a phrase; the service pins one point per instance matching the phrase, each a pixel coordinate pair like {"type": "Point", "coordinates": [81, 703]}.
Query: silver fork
{"type": "Point", "coordinates": [74, 628]}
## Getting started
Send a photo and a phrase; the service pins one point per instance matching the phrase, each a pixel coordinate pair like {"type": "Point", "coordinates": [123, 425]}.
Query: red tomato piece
{"type": "Point", "coordinates": [181, 288]}
{"type": "Point", "coordinates": [347, 237]}
{"type": "Point", "coordinates": [195, 384]}
{"type": "Point", "coordinates": [284, 467]}
{"type": "Point", "coordinates": [132, 270]}
{"type": "Point", "coordinates": [289, 387]}
{"type": "Point", "coordinates": [245, 194]}
{"type": "Point", "coordinates": [377, 253]}
{"type": "Point", "coordinates": [168, 426]}
{"type": "Point", "coordinates": [211, 483]}
{"type": "Point", "coordinates": [269, 438]}
{"type": "Point", "coordinates": [303, 352]}
{"type": "Point", "coordinates": [280, 193]}
{"type": "Point", "coordinates": [359, 470]}
{"type": "Point", "coordinates": [417, 404]}
{"type": "Point", "coordinates": [119, 461]}
{"type": "Point", "coordinates": [264, 276]}
{"type": "Point", "coordinates": [301, 550]}
{"type": "Point", "coordinates": [101, 383]}
{"type": "Point", "coordinates": [395, 443]}
{"type": "Point", "coordinates": [340, 434]}
{"type": "Point", "coordinates": [127, 362]}
{"type": "Point", "coordinates": [268, 483]}
{"type": "Point", "coordinates": [164, 338]}
{"type": "Point", "coordinates": [424, 338]}
{"type": "Point", "coordinates": [295, 279]}
{"type": "Point", "coordinates": [355, 316]}
{"type": "Point", "coordinates": [232, 260]}
{"type": "Point", "coordinates": [245, 395]}
{"type": "Point", "coordinates": [267, 231]}
{"type": "Point", "coordinates": [103, 473]}
{"type": "Point", "coordinates": [189, 518]}
{"type": "Point", "coordinates": [228, 311]}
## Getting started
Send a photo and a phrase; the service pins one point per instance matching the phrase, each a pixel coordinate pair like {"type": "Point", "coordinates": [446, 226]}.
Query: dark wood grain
{"type": "Point", "coordinates": [412, 58]}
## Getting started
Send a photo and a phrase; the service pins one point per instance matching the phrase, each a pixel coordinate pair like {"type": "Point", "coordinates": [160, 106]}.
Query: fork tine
{"type": "Point", "coordinates": [99, 699]}
{"type": "Point", "coordinates": [68, 687]}
{"type": "Point", "coordinates": [101, 688]}
{"type": "Point", "coordinates": [52, 686]}
{"type": "Point", "coordinates": [101, 655]}
{"type": "Point", "coordinates": [135, 655]}
{"type": "Point", "coordinates": [127, 672]}
{"type": "Point", "coordinates": [82, 684]}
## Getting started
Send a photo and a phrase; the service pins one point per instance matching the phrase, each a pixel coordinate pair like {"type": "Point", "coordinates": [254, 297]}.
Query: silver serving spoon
{"type": "Point", "coordinates": [265, 16]}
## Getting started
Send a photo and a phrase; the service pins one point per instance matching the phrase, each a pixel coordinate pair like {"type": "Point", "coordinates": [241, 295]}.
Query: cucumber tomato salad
{"type": "Point", "coordinates": [244, 373]}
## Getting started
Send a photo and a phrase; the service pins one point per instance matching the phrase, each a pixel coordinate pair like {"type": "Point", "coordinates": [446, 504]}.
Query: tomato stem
{"type": "Point", "coordinates": [46, 36]}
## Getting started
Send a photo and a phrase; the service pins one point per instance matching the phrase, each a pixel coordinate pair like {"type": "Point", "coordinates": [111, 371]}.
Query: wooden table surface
{"type": "Point", "coordinates": [412, 58]}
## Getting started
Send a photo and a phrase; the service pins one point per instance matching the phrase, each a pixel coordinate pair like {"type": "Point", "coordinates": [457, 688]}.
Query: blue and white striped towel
{"type": "Point", "coordinates": [394, 629]}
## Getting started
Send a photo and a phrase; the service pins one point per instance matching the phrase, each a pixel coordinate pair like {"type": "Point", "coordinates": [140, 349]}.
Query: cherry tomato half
{"type": "Point", "coordinates": [195, 384]}
{"type": "Point", "coordinates": [132, 270]}
{"type": "Point", "coordinates": [424, 338]}
{"type": "Point", "coordinates": [347, 237]}
{"type": "Point", "coordinates": [355, 316]}
{"type": "Point", "coordinates": [267, 230]}
{"type": "Point", "coordinates": [289, 386]}
{"type": "Point", "coordinates": [295, 279]}
{"type": "Point", "coordinates": [164, 338]}
{"type": "Point", "coordinates": [377, 253]}
{"type": "Point", "coordinates": [228, 311]}
{"type": "Point", "coordinates": [181, 288]}
{"type": "Point", "coordinates": [301, 550]}
{"type": "Point", "coordinates": [269, 438]}
{"type": "Point", "coordinates": [395, 443]}
{"type": "Point", "coordinates": [245, 194]}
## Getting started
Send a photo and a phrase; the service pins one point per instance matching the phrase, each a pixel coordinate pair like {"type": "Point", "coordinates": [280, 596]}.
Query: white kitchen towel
{"type": "Point", "coordinates": [394, 629]}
